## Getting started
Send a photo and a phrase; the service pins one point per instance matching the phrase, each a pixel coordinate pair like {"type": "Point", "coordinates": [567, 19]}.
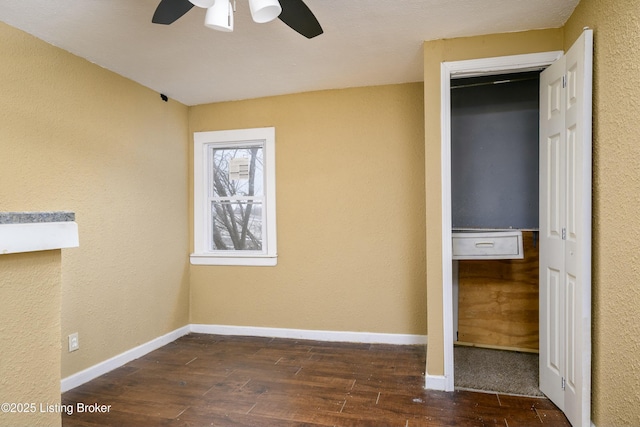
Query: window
{"type": "Point", "coordinates": [234, 197]}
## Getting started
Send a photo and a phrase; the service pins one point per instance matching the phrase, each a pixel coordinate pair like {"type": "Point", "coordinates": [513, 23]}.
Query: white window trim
{"type": "Point", "coordinates": [202, 141]}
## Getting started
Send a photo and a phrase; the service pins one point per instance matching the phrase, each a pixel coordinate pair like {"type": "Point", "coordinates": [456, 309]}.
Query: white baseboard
{"type": "Point", "coordinates": [307, 334]}
{"type": "Point", "coordinates": [108, 365]}
{"type": "Point", "coordinates": [435, 382]}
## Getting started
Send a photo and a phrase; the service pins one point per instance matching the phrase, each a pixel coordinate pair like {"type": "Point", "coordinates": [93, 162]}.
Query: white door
{"type": "Point", "coordinates": [565, 231]}
{"type": "Point", "coordinates": [552, 196]}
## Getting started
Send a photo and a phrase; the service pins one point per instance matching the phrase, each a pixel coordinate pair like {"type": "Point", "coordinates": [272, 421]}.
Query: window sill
{"type": "Point", "coordinates": [259, 260]}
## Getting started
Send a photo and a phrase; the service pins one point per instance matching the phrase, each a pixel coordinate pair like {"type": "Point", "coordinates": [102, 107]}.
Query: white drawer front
{"type": "Point", "coordinates": [488, 245]}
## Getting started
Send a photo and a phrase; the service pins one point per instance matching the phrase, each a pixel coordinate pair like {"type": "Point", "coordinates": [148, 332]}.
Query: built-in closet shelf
{"type": "Point", "coordinates": [487, 244]}
{"type": "Point", "coordinates": [497, 300]}
{"type": "Point", "coordinates": [37, 231]}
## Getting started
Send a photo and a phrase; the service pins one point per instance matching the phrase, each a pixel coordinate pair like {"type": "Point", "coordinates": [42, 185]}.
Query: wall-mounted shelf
{"type": "Point", "coordinates": [37, 231]}
{"type": "Point", "coordinates": [487, 244]}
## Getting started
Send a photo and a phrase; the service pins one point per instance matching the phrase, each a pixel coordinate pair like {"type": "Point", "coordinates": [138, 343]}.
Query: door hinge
{"type": "Point", "coordinates": [564, 233]}
{"type": "Point", "coordinates": [564, 81]}
{"type": "Point", "coordinates": [564, 383]}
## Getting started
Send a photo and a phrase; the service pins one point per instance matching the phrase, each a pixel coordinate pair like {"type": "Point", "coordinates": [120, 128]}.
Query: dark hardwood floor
{"type": "Point", "coordinates": [213, 380]}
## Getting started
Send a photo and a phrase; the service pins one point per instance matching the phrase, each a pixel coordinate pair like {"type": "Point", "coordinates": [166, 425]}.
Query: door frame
{"type": "Point", "coordinates": [448, 71]}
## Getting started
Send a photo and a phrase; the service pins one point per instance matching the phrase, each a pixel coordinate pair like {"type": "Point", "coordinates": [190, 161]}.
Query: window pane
{"type": "Point", "coordinates": [237, 172]}
{"type": "Point", "coordinates": [237, 226]}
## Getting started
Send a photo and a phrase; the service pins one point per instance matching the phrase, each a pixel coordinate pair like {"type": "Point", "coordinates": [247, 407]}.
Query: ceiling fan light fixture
{"type": "Point", "coordinates": [220, 16]}
{"type": "Point", "coordinates": [205, 4]}
{"type": "Point", "coordinates": [264, 10]}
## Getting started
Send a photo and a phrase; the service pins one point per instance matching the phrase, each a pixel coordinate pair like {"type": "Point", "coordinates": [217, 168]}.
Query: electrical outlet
{"type": "Point", "coordinates": [74, 343]}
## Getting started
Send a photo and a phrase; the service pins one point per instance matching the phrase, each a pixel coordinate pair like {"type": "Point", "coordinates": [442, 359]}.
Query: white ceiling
{"type": "Point", "coordinates": [365, 42]}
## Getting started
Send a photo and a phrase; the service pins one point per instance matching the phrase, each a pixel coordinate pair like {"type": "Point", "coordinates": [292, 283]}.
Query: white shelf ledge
{"type": "Point", "coordinates": [33, 231]}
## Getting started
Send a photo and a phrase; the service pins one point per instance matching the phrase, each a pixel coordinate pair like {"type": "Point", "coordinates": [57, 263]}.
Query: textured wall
{"type": "Point", "coordinates": [616, 203]}
{"type": "Point", "coordinates": [350, 214]}
{"type": "Point", "coordinates": [77, 137]}
{"type": "Point", "coordinates": [29, 336]}
{"type": "Point", "coordinates": [436, 52]}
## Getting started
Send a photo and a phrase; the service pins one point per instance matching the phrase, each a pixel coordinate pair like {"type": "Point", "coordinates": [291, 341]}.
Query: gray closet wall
{"type": "Point", "coordinates": [494, 152]}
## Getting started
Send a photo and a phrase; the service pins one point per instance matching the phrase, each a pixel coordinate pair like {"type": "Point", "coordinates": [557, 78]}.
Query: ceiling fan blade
{"type": "Point", "coordinates": [299, 17]}
{"type": "Point", "coordinates": [168, 11]}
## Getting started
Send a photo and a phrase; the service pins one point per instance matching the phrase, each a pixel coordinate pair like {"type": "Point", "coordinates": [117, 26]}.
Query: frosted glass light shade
{"type": "Point", "coordinates": [220, 16]}
{"type": "Point", "coordinates": [264, 10]}
{"type": "Point", "coordinates": [203, 3]}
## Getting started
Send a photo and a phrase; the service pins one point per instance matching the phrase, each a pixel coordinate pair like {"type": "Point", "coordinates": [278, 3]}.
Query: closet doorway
{"type": "Point", "coordinates": [573, 348]}
{"type": "Point", "coordinates": [449, 71]}
{"type": "Point", "coordinates": [494, 199]}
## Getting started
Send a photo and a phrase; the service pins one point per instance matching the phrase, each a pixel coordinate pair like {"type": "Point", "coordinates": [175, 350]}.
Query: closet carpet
{"type": "Point", "coordinates": [500, 371]}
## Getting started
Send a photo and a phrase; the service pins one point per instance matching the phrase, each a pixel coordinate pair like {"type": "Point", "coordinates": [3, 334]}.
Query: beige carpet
{"type": "Point", "coordinates": [499, 371]}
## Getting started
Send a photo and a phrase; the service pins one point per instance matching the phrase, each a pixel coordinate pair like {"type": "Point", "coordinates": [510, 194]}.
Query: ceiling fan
{"type": "Point", "coordinates": [219, 16]}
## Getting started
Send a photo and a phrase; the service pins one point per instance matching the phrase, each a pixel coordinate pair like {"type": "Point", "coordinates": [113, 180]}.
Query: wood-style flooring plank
{"type": "Point", "coordinates": [211, 380]}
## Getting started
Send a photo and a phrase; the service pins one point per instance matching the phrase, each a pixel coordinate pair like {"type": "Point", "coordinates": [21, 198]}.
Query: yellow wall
{"type": "Point", "coordinates": [616, 235]}
{"type": "Point", "coordinates": [435, 52]}
{"type": "Point", "coordinates": [29, 336]}
{"type": "Point", "coordinates": [80, 138]}
{"type": "Point", "coordinates": [350, 215]}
